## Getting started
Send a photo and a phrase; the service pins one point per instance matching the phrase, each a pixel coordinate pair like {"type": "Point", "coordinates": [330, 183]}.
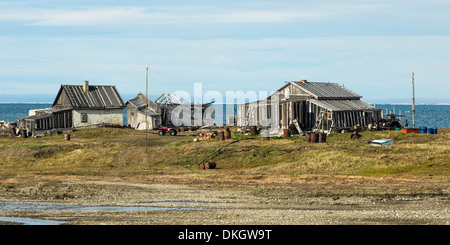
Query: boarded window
{"type": "Point", "coordinates": [83, 117]}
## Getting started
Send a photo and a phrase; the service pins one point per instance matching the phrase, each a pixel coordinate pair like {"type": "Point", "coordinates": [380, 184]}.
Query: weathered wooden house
{"type": "Point", "coordinates": [77, 106]}
{"type": "Point", "coordinates": [312, 106]}
{"type": "Point", "coordinates": [138, 108]}
{"type": "Point", "coordinates": [161, 111]}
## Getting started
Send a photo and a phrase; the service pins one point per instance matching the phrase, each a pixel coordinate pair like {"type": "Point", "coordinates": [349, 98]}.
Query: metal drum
{"type": "Point", "coordinates": [308, 137]}
{"type": "Point", "coordinates": [322, 137]}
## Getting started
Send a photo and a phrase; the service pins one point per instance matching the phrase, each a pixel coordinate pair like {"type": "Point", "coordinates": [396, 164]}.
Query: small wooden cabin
{"type": "Point", "coordinates": [312, 106]}
{"type": "Point", "coordinates": [77, 106]}
{"type": "Point", "coordinates": [137, 108]}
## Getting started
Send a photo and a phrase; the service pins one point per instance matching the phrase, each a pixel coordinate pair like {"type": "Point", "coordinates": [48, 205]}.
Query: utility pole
{"type": "Point", "coordinates": [413, 103]}
{"type": "Point", "coordinates": [146, 108]}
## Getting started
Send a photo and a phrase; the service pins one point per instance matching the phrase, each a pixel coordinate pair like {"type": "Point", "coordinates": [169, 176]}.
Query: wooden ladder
{"type": "Point", "coordinates": [318, 121]}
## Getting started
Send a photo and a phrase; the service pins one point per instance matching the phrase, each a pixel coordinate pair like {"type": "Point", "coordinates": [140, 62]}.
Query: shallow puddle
{"type": "Point", "coordinates": [81, 208]}
{"type": "Point", "coordinates": [28, 221]}
{"type": "Point", "coordinates": [12, 206]}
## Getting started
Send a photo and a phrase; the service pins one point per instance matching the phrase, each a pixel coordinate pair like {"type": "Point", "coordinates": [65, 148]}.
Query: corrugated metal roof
{"type": "Point", "coordinates": [327, 91]}
{"type": "Point", "coordinates": [98, 97]}
{"type": "Point", "coordinates": [343, 105]}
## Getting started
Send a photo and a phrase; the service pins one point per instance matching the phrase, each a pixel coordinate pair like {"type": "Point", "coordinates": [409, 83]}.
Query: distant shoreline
{"type": "Point", "coordinates": [51, 103]}
{"type": "Point", "coordinates": [443, 103]}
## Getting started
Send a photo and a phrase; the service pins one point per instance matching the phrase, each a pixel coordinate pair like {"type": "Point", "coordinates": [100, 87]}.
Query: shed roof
{"type": "Point", "coordinates": [327, 91]}
{"type": "Point", "coordinates": [140, 104]}
{"type": "Point", "coordinates": [98, 97]}
{"type": "Point", "coordinates": [44, 114]}
{"type": "Point", "coordinates": [343, 105]}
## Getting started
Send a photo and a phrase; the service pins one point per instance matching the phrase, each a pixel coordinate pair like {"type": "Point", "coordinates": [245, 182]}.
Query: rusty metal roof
{"type": "Point", "coordinates": [98, 97]}
{"type": "Point", "coordinates": [327, 91]}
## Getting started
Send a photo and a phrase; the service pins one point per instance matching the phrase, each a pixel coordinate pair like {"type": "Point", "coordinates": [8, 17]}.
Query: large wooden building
{"type": "Point", "coordinates": [312, 106]}
{"type": "Point", "coordinates": [76, 106]}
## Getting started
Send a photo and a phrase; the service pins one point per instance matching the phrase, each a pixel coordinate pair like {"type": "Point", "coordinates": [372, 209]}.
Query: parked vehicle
{"type": "Point", "coordinates": [164, 130]}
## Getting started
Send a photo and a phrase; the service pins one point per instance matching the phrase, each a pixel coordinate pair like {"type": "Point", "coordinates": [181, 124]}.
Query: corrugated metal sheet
{"type": "Point", "coordinates": [343, 105]}
{"type": "Point", "coordinates": [327, 91]}
{"type": "Point", "coordinates": [98, 97]}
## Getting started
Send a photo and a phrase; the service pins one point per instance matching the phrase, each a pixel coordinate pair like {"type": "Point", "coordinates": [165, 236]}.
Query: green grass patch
{"type": "Point", "coordinates": [38, 146]}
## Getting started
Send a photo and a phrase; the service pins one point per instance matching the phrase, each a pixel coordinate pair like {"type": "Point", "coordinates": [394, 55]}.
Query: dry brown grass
{"type": "Point", "coordinates": [414, 164]}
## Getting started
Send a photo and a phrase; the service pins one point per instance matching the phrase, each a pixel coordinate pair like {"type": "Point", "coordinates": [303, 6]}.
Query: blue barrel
{"type": "Point", "coordinates": [435, 131]}
{"type": "Point", "coordinates": [430, 130]}
{"type": "Point", "coordinates": [423, 130]}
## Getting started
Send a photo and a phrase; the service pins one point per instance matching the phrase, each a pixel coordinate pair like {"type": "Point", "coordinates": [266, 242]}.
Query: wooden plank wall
{"type": "Point", "coordinates": [348, 119]}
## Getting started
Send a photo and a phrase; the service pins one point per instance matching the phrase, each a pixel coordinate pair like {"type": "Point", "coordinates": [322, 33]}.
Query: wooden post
{"type": "Point", "coordinates": [413, 103]}
{"type": "Point", "coordinates": [146, 108]}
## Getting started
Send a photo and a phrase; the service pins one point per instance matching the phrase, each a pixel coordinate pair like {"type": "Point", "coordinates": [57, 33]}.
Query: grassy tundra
{"type": "Point", "coordinates": [414, 165]}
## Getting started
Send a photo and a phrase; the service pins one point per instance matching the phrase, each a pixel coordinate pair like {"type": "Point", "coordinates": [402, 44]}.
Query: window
{"type": "Point", "coordinates": [83, 117]}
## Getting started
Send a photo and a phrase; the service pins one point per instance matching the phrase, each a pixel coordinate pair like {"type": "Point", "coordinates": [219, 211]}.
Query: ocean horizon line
{"type": "Point", "coordinates": [26, 102]}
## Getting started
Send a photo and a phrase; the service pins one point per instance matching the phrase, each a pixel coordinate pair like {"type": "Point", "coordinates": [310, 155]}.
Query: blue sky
{"type": "Point", "coordinates": [369, 46]}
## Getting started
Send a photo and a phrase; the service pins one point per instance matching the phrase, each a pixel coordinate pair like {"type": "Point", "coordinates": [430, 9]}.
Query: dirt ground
{"type": "Point", "coordinates": [188, 205]}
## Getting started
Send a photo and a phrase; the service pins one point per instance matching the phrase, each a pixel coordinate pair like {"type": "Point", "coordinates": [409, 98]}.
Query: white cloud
{"type": "Point", "coordinates": [83, 16]}
{"type": "Point", "coordinates": [73, 17]}
{"type": "Point", "coordinates": [219, 13]}
{"type": "Point", "coordinates": [98, 16]}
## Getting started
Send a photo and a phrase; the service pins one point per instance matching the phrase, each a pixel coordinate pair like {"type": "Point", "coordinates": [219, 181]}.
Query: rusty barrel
{"type": "Point", "coordinates": [201, 166]}
{"type": "Point", "coordinates": [314, 137]}
{"type": "Point", "coordinates": [286, 133]}
{"type": "Point", "coordinates": [227, 134]}
{"type": "Point", "coordinates": [67, 137]}
{"type": "Point", "coordinates": [322, 137]}
{"type": "Point", "coordinates": [253, 130]}
{"type": "Point", "coordinates": [210, 165]}
{"type": "Point", "coordinates": [221, 136]}
{"type": "Point", "coordinates": [23, 133]}
{"type": "Point", "coordinates": [308, 137]}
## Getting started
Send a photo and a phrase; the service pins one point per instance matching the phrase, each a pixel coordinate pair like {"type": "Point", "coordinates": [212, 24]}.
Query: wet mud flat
{"type": "Point", "coordinates": [157, 204]}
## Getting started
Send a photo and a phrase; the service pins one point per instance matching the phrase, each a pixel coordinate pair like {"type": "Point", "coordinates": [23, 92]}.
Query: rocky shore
{"type": "Point", "coordinates": [160, 204]}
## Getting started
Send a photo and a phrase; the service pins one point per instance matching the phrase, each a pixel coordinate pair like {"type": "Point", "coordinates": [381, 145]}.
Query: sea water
{"type": "Point", "coordinates": [435, 116]}
{"type": "Point", "coordinates": [431, 116]}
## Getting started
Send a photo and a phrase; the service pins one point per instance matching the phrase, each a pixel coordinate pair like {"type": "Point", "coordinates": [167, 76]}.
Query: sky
{"type": "Point", "coordinates": [372, 47]}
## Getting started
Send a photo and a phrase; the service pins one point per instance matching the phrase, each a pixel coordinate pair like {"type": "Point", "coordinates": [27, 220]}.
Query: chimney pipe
{"type": "Point", "coordinates": [86, 86]}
